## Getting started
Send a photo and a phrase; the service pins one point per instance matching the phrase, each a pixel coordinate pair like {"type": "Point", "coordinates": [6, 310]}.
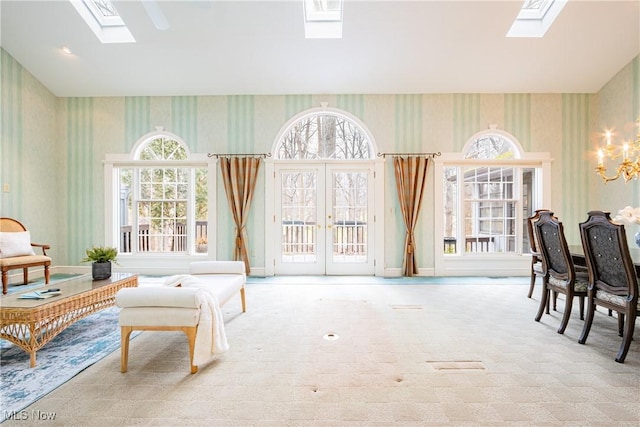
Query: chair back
{"type": "Point", "coordinates": [533, 239]}
{"type": "Point", "coordinates": [607, 255]}
{"type": "Point", "coordinates": [11, 225]}
{"type": "Point", "coordinates": [556, 258]}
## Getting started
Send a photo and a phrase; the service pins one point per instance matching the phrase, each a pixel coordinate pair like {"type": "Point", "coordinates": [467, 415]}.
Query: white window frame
{"type": "Point", "coordinates": [156, 263]}
{"type": "Point", "coordinates": [491, 264]}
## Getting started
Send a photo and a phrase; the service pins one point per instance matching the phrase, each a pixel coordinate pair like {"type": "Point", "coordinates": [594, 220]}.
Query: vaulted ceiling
{"type": "Point", "coordinates": [218, 47]}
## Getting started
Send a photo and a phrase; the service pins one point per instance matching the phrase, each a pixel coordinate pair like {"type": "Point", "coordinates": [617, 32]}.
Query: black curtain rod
{"type": "Point", "coordinates": [218, 155]}
{"type": "Point", "coordinates": [432, 155]}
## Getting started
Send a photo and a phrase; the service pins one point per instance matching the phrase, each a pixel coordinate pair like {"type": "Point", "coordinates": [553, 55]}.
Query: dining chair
{"type": "Point", "coordinates": [560, 275]}
{"type": "Point", "coordinates": [612, 278]}
{"type": "Point", "coordinates": [536, 258]}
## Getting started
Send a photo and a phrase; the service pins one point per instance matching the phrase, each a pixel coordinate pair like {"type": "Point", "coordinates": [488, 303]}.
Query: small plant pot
{"type": "Point", "coordinates": [101, 270]}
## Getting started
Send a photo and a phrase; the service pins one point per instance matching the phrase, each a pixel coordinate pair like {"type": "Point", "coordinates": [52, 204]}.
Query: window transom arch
{"type": "Point", "coordinates": [324, 134]}
{"type": "Point", "coordinates": [492, 144]}
{"type": "Point", "coordinates": [160, 145]}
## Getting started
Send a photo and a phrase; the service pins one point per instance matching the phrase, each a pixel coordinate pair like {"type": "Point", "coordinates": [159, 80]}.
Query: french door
{"type": "Point", "coordinates": [324, 219]}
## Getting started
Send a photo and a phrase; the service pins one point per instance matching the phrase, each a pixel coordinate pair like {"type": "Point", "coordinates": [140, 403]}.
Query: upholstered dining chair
{"type": "Point", "coordinates": [560, 275]}
{"type": "Point", "coordinates": [613, 283]}
{"type": "Point", "coordinates": [536, 258]}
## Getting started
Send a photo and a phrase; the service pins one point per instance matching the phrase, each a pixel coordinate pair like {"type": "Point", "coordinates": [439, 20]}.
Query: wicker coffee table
{"type": "Point", "coordinates": [30, 324]}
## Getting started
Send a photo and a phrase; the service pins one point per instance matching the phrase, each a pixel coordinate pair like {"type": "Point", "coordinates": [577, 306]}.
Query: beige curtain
{"type": "Point", "coordinates": [240, 175]}
{"type": "Point", "coordinates": [411, 177]}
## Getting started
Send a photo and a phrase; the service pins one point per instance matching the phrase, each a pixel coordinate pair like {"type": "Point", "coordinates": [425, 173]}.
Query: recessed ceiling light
{"type": "Point", "coordinates": [66, 50]}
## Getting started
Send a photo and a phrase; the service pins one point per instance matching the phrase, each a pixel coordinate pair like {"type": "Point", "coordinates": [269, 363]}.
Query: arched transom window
{"type": "Point", "coordinates": [324, 135]}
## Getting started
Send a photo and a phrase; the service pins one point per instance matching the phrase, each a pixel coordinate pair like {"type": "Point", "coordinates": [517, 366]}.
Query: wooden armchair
{"type": "Point", "coordinates": [16, 251]}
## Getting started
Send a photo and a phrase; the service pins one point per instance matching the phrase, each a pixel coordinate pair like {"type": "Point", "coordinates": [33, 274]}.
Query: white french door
{"type": "Point", "coordinates": [324, 218]}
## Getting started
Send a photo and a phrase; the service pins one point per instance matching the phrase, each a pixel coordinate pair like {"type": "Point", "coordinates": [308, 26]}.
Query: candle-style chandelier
{"type": "Point", "coordinates": [629, 152]}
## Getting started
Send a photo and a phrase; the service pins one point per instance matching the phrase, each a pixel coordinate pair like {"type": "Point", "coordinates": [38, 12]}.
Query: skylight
{"type": "Point", "coordinates": [323, 19]}
{"type": "Point", "coordinates": [103, 19]}
{"type": "Point", "coordinates": [535, 18]}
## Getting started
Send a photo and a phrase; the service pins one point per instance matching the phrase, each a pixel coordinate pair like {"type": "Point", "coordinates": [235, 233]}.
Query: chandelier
{"type": "Point", "coordinates": [628, 168]}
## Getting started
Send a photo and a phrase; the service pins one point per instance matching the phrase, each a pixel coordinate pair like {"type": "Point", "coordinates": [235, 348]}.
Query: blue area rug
{"type": "Point", "coordinates": [73, 350]}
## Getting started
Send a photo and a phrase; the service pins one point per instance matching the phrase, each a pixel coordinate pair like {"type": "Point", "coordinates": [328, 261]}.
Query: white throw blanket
{"type": "Point", "coordinates": [211, 338]}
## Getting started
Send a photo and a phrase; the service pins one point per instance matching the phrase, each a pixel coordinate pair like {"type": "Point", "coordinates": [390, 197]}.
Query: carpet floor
{"type": "Point", "coordinates": [377, 355]}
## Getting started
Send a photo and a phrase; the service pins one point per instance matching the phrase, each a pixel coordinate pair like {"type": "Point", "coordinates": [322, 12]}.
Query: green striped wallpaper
{"type": "Point", "coordinates": [466, 119]}
{"type": "Point", "coordinates": [184, 120]}
{"type": "Point", "coordinates": [294, 104]}
{"type": "Point", "coordinates": [11, 152]}
{"type": "Point", "coordinates": [240, 119]}
{"type": "Point", "coordinates": [137, 121]}
{"type": "Point", "coordinates": [408, 123]}
{"type": "Point", "coordinates": [517, 118]}
{"type": "Point", "coordinates": [84, 225]}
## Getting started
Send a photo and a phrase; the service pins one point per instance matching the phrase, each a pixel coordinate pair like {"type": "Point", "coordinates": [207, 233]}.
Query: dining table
{"type": "Point", "coordinates": [577, 253]}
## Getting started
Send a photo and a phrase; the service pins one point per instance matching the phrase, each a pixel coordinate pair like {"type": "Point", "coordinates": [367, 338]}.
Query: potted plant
{"type": "Point", "coordinates": [101, 258]}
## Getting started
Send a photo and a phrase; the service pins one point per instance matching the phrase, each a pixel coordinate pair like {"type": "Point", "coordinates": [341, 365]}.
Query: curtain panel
{"type": "Point", "coordinates": [411, 178]}
{"type": "Point", "coordinates": [240, 175]}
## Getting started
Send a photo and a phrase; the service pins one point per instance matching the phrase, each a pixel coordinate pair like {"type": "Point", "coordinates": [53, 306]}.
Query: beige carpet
{"type": "Point", "coordinates": [367, 355]}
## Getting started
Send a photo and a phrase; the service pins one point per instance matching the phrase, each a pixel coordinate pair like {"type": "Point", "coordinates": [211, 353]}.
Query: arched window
{"type": "Point", "coordinates": [162, 199]}
{"type": "Point", "coordinates": [324, 135]}
{"type": "Point", "coordinates": [487, 196]}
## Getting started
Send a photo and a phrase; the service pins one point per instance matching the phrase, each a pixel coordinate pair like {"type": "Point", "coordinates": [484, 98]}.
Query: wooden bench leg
{"type": "Point", "coordinates": [125, 332]}
{"type": "Point", "coordinates": [25, 275]}
{"type": "Point", "coordinates": [191, 337]}
{"type": "Point", "coordinates": [244, 301]}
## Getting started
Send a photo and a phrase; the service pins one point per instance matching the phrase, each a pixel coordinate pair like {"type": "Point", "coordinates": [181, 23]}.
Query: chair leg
{"type": "Point", "coordinates": [125, 332]}
{"type": "Point", "coordinates": [544, 300]}
{"type": "Point", "coordinates": [566, 315]}
{"type": "Point", "coordinates": [532, 284]}
{"type": "Point", "coordinates": [626, 339]}
{"type": "Point", "coordinates": [46, 274]}
{"type": "Point", "coordinates": [581, 302]}
{"type": "Point", "coordinates": [591, 308]}
{"type": "Point", "coordinates": [5, 281]}
{"type": "Point", "coordinates": [620, 324]}
{"type": "Point", "coordinates": [25, 275]}
{"type": "Point", "coordinates": [244, 301]}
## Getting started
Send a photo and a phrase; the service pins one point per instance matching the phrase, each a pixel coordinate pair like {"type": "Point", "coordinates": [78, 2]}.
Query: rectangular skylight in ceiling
{"type": "Point", "coordinates": [323, 19]}
{"type": "Point", "coordinates": [103, 19]}
{"type": "Point", "coordinates": [535, 18]}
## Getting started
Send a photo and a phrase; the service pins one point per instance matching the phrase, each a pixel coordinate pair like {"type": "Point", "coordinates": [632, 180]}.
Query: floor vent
{"type": "Point", "coordinates": [457, 365]}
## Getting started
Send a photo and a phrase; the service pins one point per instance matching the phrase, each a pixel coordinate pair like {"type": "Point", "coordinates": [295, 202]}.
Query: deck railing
{"type": "Point", "coordinates": [299, 237]}
{"type": "Point", "coordinates": [178, 243]}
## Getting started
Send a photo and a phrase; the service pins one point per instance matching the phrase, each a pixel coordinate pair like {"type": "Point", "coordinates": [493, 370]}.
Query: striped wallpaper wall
{"type": "Point", "coordinates": [84, 225]}
{"type": "Point", "coordinates": [560, 124]}
{"type": "Point", "coordinates": [11, 132]}
{"type": "Point", "coordinates": [137, 120]}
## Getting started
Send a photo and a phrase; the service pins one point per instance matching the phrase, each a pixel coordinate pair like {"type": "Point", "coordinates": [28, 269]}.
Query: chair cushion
{"type": "Point", "coordinates": [21, 261]}
{"type": "Point", "coordinates": [580, 284]}
{"type": "Point", "coordinates": [612, 298]}
{"type": "Point", "coordinates": [537, 267]}
{"type": "Point", "coordinates": [158, 297]}
{"type": "Point", "coordinates": [14, 244]}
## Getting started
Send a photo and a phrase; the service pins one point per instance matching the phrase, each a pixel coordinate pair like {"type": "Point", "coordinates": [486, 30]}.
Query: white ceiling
{"type": "Point", "coordinates": [217, 47]}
